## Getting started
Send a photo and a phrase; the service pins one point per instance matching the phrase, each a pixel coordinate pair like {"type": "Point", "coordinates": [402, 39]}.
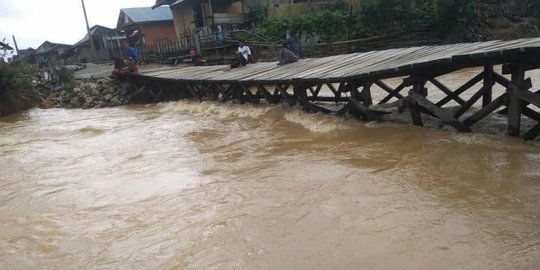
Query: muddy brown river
{"type": "Point", "coordinates": [188, 185]}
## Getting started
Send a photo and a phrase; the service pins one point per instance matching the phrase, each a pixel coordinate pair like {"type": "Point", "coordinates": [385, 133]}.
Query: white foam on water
{"type": "Point", "coordinates": [316, 122]}
{"type": "Point", "coordinates": [215, 109]}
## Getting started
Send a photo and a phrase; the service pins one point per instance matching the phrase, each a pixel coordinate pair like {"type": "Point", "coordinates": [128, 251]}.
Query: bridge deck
{"type": "Point", "coordinates": [352, 78]}
{"type": "Point", "coordinates": [371, 65]}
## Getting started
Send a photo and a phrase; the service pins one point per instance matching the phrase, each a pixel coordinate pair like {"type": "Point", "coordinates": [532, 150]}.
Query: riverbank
{"type": "Point", "coordinates": [88, 93]}
{"type": "Point", "coordinates": [93, 87]}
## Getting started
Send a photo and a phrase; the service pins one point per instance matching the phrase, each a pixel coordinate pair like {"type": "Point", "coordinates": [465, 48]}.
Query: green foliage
{"type": "Point", "coordinates": [15, 77]}
{"type": "Point", "coordinates": [392, 15]}
{"type": "Point", "coordinates": [17, 90]}
{"type": "Point", "coordinates": [256, 15]}
{"type": "Point", "coordinates": [65, 75]}
{"type": "Point", "coordinates": [534, 11]}
{"type": "Point", "coordinates": [454, 13]}
{"type": "Point", "coordinates": [329, 25]}
{"type": "Point", "coordinates": [374, 17]}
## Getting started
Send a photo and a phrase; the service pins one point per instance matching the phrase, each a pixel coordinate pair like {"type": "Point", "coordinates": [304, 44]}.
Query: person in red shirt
{"type": "Point", "coordinates": [194, 56]}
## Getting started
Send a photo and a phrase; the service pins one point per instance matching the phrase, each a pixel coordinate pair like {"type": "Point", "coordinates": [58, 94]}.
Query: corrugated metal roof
{"type": "Point", "coordinates": [147, 14]}
{"type": "Point", "coordinates": [93, 31]}
{"type": "Point", "coordinates": [177, 2]}
{"type": "Point", "coordinates": [162, 3]}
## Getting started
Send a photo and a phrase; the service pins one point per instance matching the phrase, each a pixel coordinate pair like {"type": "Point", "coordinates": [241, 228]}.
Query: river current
{"type": "Point", "coordinates": [188, 185]}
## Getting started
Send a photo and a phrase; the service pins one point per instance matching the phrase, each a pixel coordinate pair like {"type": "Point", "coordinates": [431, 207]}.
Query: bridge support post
{"type": "Point", "coordinates": [366, 94]}
{"type": "Point", "coordinates": [418, 87]}
{"type": "Point", "coordinates": [514, 102]}
{"type": "Point", "coordinates": [488, 85]}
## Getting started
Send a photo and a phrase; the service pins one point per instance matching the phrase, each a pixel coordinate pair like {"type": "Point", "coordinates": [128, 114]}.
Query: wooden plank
{"type": "Point", "coordinates": [250, 96]}
{"type": "Point", "coordinates": [418, 99]}
{"type": "Point", "coordinates": [495, 104]}
{"type": "Point", "coordinates": [310, 107]}
{"type": "Point", "coordinates": [469, 103]}
{"type": "Point", "coordinates": [534, 115]}
{"type": "Point", "coordinates": [447, 91]}
{"type": "Point", "coordinates": [367, 114]}
{"type": "Point", "coordinates": [461, 89]}
{"type": "Point", "coordinates": [532, 133]}
{"type": "Point", "coordinates": [283, 91]}
{"type": "Point", "coordinates": [394, 93]}
{"type": "Point", "coordinates": [267, 96]}
{"type": "Point", "coordinates": [328, 99]}
{"type": "Point", "coordinates": [527, 96]}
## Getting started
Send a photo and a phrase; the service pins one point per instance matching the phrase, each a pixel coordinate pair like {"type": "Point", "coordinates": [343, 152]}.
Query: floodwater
{"type": "Point", "coordinates": [186, 185]}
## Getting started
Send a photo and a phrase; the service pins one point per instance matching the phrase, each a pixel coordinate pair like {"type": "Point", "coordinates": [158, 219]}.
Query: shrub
{"type": "Point", "coordinates": [65, 75]}
{"type": "Point", "coordinates": [15, 77]}
{"type": "Point", "coordinates": [17, 90]}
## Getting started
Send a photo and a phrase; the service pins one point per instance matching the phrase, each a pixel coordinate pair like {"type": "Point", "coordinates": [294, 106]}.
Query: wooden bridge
{"type": "Point", "coordinates": [351, 78]}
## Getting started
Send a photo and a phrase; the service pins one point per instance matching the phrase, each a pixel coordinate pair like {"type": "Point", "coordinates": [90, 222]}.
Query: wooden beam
{"type": "Point", "coordinates": [366, 113]}
{"type": "Point", "coordinates": [514, 102]}
{"type": "Point", "coordinates": [267, 96]}
{"type": "Point", "coordinates": [447, 91]}
{"type": "Point", "coordinates": [495, 104]}
{"type": "Point", "coordinates": [415, 115]}
{"type": "Point", "coordinates": [529, 97]}
{"type": "Point", "coordinates": [283, 91]}
{"type": "Point", "coordinates": [527, 83]}
{"type": "Point", "coordinates": [388, 89]}
{"type": "Point", "coordinates": [534, 115]}
{"type": "Point", "coordinates": [461, 89]}
{"type": "Point", "coordinates": [227, 93]}
{"type": "Point", "coordinates": [469, 103]}
{"type": "Point", "coordinates": [343, 110]}
{"type": "Point", "coordinates": [308, 106]}
{"type": "Point", "coordinates": [507, 68]}
{"type": "Point", "coordinates": [366, 94]}
{"type": "Point", "coordinates": [317, 90]}
{"type": "Point", "coordinates": [250, 96]}
{"type": "Point", "coordinates": [532, 133]}
{"type": "Point", "coordinates": [395, 92]}
{"type": "Point", "coordinates": [488, 85]}
{"type": "Point", "coordinates": [328, 99]}
{"type": "Point", "coordinates": [418, 99]}
{"type": "Point", "coordinates": [332, 88]}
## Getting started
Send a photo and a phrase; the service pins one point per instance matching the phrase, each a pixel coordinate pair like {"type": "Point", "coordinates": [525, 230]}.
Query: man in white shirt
{"type": "Point", "coordinates": [244, 55]}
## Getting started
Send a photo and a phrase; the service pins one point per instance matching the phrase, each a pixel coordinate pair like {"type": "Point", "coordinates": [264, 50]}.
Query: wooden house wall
{"type": "Point", "coordinates": [183, 20]}
{"type": "Point", "coordinates": [157, 31]}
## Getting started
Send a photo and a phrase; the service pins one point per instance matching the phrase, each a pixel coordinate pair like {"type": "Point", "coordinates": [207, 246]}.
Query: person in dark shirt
{"type": "Point", "coordinates": [291, 50]}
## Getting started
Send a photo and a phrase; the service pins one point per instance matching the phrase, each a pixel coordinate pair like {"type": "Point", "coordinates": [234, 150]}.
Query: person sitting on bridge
{"type": "Point", "coordinates": [194, 56]}
{"type": "Point", "coordinates": [243, 56]}
{"type": "Point", "coordinates": [291, 50]}
{"type": "Point", "coordinates": [119, 65]}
